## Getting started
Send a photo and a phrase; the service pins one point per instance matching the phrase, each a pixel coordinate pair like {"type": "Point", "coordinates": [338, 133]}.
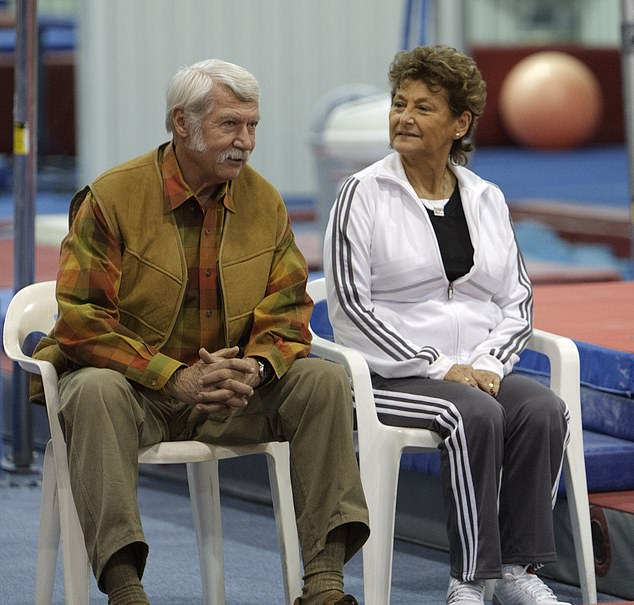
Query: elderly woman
{"type": "Point", "coordinates": [425, 278]}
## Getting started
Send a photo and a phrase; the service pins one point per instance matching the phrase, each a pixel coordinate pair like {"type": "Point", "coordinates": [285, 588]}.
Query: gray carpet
{"type": "Point", "coordinates": [252, 568]}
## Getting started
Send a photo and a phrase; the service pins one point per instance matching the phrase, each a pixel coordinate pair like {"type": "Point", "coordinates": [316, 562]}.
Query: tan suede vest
{"type": "Point", "coordinates": [154, 271]}
{"type": "Point", "coordinates": [153, 265]}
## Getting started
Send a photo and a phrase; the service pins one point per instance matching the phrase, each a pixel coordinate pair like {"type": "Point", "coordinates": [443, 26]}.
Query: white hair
{"type": "Point", "coordinates": [192, 88]}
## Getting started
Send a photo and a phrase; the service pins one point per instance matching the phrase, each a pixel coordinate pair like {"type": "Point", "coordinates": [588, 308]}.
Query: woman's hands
{"type": "Point", "coordinates": [218, 382]}
{"type": "Point", "coordinates": [463, 373]}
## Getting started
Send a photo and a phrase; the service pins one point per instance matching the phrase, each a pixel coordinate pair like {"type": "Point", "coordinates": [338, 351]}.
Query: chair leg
{"type": "Point", "coordinates": [205, 499]}
{"type": "Point", "coordinates": [74, 556]}
{"type": "Point", "coordinates": [579, 511]}
{"type": "Point", "coordinates": [379, 474]}
{"type": "Point", "coordinates": [48, 533]}
{"type": "Point", "coordinates": [59, 523]}
{"type": "Point", "coordinates": [489, 587]}
{"type": "Point", "coordinates": [278, 461]}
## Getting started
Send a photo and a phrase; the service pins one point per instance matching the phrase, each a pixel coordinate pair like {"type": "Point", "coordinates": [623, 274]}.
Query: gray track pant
{"type": "Point", "coordinates": [505, 451]}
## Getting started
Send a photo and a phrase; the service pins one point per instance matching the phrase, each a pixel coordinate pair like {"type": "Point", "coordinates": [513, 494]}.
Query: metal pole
{"type": "Point", "coordinates": [627, 67]}
{"type": "Point", "coordinates": [446, 23]}
{"type": "Point", "coordinates": [24, 186]}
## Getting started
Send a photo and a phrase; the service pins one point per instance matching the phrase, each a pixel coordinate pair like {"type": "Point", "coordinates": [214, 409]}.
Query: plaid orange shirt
{"type": "Point", "coordinates": [199, 322]}
{"type": "Point", "coordinates": [88, 330]}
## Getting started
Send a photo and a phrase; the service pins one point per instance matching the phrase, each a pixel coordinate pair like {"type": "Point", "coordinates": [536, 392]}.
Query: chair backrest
{"type": "Point", "coordinates": [32, 310]}
{"type": "Point", "coordinates": [371, 429]}
{"type": "Point", "coordinates": [353, 361]}
{"type": "Point", "coordinates": [31, 313]}
{"type": "Point", "coordinates": [319, 321]}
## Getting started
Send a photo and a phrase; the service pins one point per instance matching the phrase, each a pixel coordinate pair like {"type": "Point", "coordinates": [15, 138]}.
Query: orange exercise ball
{"type": "Point", "coordinates": [550, 100]}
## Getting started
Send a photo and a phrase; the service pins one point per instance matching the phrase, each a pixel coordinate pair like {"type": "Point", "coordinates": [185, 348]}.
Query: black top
{"type": "Point", "coordinates": [453, 237]}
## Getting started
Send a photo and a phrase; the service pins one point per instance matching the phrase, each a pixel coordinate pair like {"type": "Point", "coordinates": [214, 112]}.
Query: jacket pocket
{"type": "Point", "coordinates": [148, 298]}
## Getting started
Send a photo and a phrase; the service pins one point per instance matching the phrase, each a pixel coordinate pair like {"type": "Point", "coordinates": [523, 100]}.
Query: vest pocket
{"type": "Point", "coordinates": [149, 299]}
{"type": "Point", "coordinates": [244, 284]}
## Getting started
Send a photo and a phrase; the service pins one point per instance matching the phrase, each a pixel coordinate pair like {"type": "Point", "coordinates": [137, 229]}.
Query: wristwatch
{"type": "Point", "coordinates": [265, 371]}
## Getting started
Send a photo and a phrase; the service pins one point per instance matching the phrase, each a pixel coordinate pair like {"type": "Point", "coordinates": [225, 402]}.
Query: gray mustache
{"type": "Point", "coordinates": [233, 154]}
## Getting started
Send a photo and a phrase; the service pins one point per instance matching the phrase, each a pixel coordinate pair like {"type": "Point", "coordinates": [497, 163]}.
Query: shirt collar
{"type": "Point", "coordinates": [177, 191]}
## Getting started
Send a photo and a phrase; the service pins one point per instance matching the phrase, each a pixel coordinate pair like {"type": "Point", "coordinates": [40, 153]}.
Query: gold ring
{"type": "Point", "coordinates": [490, 385]}
{"type": "Point", "coordinates": [467, 378]}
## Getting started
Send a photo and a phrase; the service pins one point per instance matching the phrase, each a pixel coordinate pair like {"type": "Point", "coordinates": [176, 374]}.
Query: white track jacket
{"type": "Point", "coordinates": [389, 296]}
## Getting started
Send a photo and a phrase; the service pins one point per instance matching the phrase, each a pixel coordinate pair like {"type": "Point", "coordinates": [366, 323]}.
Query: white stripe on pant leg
{"type": "Point", "coordinates": [555, 485]}
{"type": "Point", "coordinates": [445, 413]}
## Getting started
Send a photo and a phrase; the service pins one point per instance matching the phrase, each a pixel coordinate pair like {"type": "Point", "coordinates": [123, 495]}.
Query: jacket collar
{"type": "Point", "coordinates": [391, 168]}
{"type": "Point", "coordinates": [177, 190]}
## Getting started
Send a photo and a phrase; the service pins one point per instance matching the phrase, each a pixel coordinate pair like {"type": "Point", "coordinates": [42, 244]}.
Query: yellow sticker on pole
{"type": "Point", "coordinates": [20, 139]}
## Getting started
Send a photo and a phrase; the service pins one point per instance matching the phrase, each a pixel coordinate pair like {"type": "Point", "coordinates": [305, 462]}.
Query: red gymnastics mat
{"type": "Point", "coordinates": [46, 260]}
{"type": "Point", "coordinates": [599, 313]}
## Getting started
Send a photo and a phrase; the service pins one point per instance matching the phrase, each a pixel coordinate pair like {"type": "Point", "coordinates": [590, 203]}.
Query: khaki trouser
{"type": "Point", "coordinates": [106, 419]}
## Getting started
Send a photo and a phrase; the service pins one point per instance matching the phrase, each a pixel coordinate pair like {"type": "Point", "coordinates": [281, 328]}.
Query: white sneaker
{"type": "Point", "coordinates": [464, 593]}
{"type": "Point", "coordinates": [519, 587]}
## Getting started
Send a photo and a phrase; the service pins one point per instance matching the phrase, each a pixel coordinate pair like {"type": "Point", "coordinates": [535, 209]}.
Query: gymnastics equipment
{"type": "Point", "coordinates": [550, 100]}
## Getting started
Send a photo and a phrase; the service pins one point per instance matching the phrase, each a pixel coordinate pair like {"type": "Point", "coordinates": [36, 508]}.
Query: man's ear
{"type": "Point", "coordinates": [180, 123]}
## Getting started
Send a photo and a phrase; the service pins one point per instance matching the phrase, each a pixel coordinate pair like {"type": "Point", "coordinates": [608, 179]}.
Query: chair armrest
{"type": "Point", "coordinates": [49, 380]}
{"type": "Point", "coordinates": [357, 369]}
{"type": "Point", "coordinates": [563, 356]}
{"type": "Point", "coordinates": [351, 359]}
{"type": "Point", "coordinates": [33, 366]}
{"type": "Point", "coordinates": [354, 363]}
{"type": "Point", "coordinates": [565, 382]}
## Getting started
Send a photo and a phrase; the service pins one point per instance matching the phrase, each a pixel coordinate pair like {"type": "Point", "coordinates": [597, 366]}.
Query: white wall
{"type": "Point", "coordinates": [298, 49]}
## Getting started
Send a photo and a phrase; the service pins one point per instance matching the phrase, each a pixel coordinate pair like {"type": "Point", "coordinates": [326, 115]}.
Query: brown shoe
{"type": "Point", "coordinates": [346, 599]}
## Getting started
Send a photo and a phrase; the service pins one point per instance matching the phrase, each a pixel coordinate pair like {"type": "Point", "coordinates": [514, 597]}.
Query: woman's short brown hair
{"type": "Point", "coordinates": [445, 68]}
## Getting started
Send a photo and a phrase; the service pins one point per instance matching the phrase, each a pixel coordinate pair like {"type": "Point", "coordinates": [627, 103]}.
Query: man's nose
{"type": "Point", "coordinates": [245, 139]}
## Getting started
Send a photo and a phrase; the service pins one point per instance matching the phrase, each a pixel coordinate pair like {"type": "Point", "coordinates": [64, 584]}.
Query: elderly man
{"type": "Point", "coordinates": [183, 315]}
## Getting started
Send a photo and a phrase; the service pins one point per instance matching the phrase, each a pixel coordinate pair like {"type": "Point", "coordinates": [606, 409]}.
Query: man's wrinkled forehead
{"type": "Point", "coordinates": [227, 103]}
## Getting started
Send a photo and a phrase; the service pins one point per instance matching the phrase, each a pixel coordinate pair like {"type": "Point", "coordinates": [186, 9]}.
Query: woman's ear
{"type": "Point", "coordinates": [464, 122]}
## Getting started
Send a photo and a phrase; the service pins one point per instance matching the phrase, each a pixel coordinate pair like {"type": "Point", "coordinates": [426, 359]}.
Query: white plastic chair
{"type": "Point", "coordinates": [33, 309]}
{"type": "Point", "coordinates": [380, 448]}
